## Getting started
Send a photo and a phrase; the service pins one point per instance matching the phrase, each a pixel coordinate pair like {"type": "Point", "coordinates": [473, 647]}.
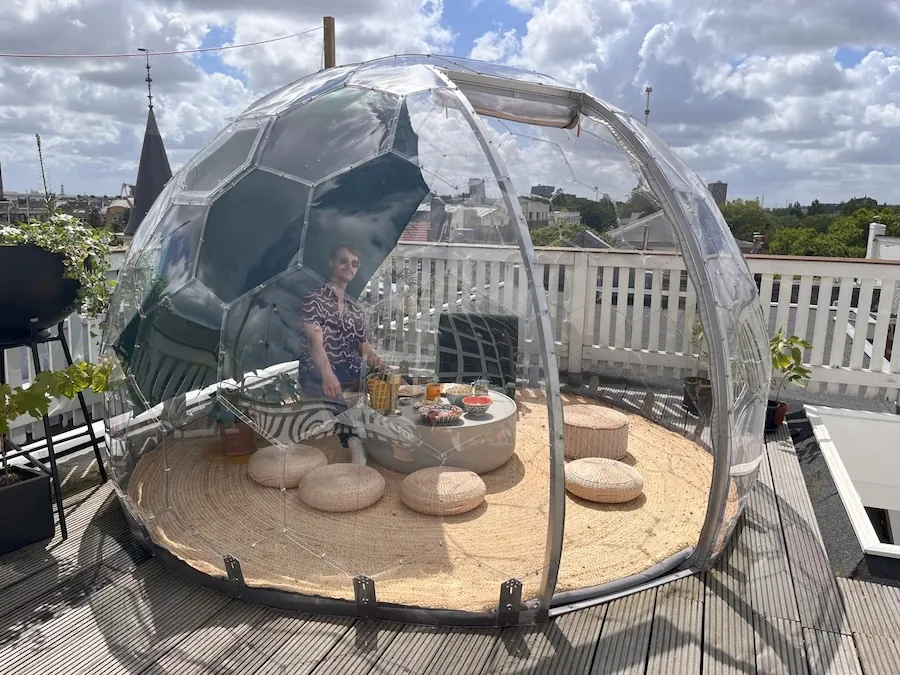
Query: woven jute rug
{"type": "Point", "coordinates": [201, 511]}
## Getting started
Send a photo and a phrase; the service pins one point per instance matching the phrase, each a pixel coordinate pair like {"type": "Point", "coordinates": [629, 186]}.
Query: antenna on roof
{"type": "Point", "coordinates": [648, 91]}
{"type": "Point", "coordinates": [148, 80]}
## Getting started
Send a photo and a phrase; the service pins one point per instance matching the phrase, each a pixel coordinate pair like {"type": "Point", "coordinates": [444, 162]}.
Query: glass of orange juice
{"type": "Point", "coordinates": [433, 391]}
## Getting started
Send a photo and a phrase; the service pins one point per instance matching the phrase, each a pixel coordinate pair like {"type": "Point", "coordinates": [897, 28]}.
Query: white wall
{"type": "Point", "coordinates": [869, 447]}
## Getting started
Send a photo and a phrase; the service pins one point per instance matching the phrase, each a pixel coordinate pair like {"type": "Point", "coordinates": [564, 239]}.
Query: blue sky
{"type": "Point", "coordinates": [469, 19]}
{"type": "Point", "coordinates": [211, 62]}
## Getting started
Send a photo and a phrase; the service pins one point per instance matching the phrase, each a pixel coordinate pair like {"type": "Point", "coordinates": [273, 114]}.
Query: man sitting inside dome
{"type": "Point", "coordinates": [334, 348]}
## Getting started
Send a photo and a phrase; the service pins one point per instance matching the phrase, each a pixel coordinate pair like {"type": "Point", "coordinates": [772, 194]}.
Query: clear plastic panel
{"type": "Point", "coordinates": [328, 135]}
{"type": "Point", "coordinates": [624, 316]}
{"type": "Point", "coordinates": [297, 92]}
{"type": "Point", "coordinates": [223, 158]}
{"type": "Point", "coordinates": [396, 78]}
{"type": "Point", "coordinates": [270, 206]}
{"type": "Point", "coordinates": [742, 328]}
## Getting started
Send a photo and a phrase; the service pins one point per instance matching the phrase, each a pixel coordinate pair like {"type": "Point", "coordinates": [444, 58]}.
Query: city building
{"type": "Point", "coordinates": [719, 191]}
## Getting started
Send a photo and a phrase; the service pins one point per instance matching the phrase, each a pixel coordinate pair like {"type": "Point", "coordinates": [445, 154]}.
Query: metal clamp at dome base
{"type": "Point", "coordinates": [233, 569]}
{"type": "Point", "coordinates": [510, 603]}
{"type": "Point", "coordinates": [364, 590]}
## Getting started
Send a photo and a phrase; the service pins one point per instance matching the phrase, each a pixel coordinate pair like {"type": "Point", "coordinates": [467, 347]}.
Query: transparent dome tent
{"type": "Point", "coordinates": [350, 382]}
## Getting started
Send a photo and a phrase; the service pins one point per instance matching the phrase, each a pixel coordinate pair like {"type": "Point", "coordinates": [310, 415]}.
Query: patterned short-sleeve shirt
{"type": "Point", "coordinates": [342, 333]}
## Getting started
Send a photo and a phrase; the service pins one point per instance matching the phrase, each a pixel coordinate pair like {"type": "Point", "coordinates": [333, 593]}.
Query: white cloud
{"type": "Point", "coordinates": [751, 93]}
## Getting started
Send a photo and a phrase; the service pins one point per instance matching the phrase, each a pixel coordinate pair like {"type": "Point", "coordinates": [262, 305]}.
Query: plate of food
{"type": "Point", "coordinates": [411, 390]}
{"type": "Point", "coordinates": [440, 413]}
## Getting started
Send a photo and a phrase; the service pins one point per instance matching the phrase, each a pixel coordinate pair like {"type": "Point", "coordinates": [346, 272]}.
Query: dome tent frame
{"type": "Point", "coordinates": [560, 107]}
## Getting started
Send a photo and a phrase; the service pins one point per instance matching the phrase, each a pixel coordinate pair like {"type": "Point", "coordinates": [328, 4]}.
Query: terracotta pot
{"type": "Point", "coordinates": [775, 412]}
{"type": "Point", "coordinates": [238, 440]}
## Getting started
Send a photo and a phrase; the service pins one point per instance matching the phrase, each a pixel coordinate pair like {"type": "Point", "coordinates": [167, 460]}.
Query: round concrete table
{"type": "Point", "coordinates": [481, 443]}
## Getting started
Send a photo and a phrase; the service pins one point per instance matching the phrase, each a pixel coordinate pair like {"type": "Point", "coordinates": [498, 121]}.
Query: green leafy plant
{"type": "Point", "coordinates": [699, 338]}
{"type": "Point", "coordinates": [34, 398]}
{"type": "Point", "coordinates": [85, 254]}
{"type": "Point", "coordinates": [787, 359]}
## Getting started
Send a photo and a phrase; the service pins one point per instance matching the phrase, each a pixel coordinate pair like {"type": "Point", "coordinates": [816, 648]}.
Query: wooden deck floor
{"type": "Point", "coordinates": [98, 604]}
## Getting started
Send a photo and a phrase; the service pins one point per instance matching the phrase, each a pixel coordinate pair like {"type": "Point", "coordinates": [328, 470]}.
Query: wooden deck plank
{"type": "Point", "coordinates": [359, 649]}
{"type": "Point", "coordinates": [465, 652]}
{"type": "Point", "coordinates": [770, 584]}
{"type": "Point", "coordinates": [128, 621]}
{"type": "Point", "coordinates": [271, 633]}
{"type": "Point", "coordinates": [307, 644]}
{"type": "Point", "coordinates": [204, 648]}
{"type": "Point", "coordinates": [872, 609]}
{"type": "Point", "coordinates": [728, 634]}
{"type": "Point", "coordinates": [565, 645]}
{"type": "Point", "coordinates": [676, 639]}
{"type": "Point", "coordinates": [412, 650]}
{"type": "Point", "coordinates": [625, 638]}
{"type": "Point", "coordinates": [878, 655]}
{"type": "Point", "coordinates": [95, 507]}
{"type": "Point", "coordinates": [817, 593]}
{"type": "Point", "coordinates": [831, 653]}
{"type": "Point", "coordinates": [779, 647]}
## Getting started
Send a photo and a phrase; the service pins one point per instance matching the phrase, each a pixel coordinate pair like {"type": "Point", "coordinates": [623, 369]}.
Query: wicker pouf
{"type": "Point", "coordinates": [595, 431]}
{"type": "Point", "coordinates": [338, 488]}
{"type": "Point", "coordinates": [603, 480]}
{"type": "Point", "coordinates": [275, 468]}
{"type": "Point", "coordinates": [442, 491]}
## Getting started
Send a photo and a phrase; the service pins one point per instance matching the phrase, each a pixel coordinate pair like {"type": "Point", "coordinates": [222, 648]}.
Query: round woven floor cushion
{"type": "Point", "coordinates": [339, 488]}
{"type": "Point", "coordinates": [603, 480]}
{"type": "Point", "coordinates": [274, 467]}
{"type": "Point", "coordinates": [595, 431]}
{"type": "Point", "coordinates": [442, 491]}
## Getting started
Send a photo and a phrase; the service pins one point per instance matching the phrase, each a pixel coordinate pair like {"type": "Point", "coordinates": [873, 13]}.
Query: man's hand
{"type": "Point", "coordinates": [331, 386]}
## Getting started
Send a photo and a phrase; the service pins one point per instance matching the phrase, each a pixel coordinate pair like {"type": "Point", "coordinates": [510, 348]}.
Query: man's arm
{"type": "Point", "coordinates": [371, 357]}
{"type": "Point", "coordinates": [317, 347]}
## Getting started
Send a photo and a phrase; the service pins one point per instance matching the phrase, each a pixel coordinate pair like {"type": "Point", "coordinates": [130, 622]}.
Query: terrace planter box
{"type": "Point", "coordinates": [32, 286]}
{"type": "Point", "coordinates": [26, 510]}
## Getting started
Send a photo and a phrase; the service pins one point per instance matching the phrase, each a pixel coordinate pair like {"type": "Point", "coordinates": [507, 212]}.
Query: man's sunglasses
{"type": "Point", "coordinates": [353, 263]}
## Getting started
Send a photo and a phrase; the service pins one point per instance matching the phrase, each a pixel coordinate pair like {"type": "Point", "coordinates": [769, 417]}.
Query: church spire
{"type": "Point", "coordinates": [154, 170]}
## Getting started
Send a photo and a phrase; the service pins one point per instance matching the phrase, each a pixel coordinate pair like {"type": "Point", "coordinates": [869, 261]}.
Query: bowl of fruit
{"type": "Point", "coordinates": [476, 405]}
{"type": "Point", "coordinates": [440, 413]}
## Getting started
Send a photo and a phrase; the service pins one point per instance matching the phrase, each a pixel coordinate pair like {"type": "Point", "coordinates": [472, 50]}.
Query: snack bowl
{"type": "Point", "coordinates": [440, 413]}
{"type": "Point", "coordinates": [455, 393]}
{"type": "Point", "coordinates": [477, 405]}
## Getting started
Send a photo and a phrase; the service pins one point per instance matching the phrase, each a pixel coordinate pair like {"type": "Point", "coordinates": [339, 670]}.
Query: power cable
{"type": "Point", "coordinates": [155, 53]}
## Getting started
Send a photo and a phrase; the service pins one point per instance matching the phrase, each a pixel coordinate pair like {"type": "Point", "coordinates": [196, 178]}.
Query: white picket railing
{"type": "Point", "coordinates": [845, 308]}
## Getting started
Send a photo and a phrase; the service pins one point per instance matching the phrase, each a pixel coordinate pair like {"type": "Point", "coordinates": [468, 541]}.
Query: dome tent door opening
{"type": "Point", "coordinates": [306, 270]}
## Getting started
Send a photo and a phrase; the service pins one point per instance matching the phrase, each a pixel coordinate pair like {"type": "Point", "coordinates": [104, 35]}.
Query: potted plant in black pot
{"type": "Point", "coordinates": [787, 361]}
{"type": "Point", "coordinates": [48, 269]}
{"type": "Point", "coordinates": [697, 397]}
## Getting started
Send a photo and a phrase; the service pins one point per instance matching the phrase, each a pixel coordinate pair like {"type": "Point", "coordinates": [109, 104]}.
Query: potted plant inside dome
{"type": "Point", "coordinates": [697, 392]}
{"type": "Point", "coordinates": [787, 361]}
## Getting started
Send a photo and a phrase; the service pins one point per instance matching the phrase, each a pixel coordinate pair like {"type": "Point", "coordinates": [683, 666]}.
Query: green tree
{"type": "Point", "coordinates": [599, 216]}
{"type": "Point", "coordinates": [853, 205]}
{"type": "Point", "coordinates": [745, 218]}
{"type": "Point", "coordinates": [555, 235]}
{"type": "Point", "coordinates": [815, 208]}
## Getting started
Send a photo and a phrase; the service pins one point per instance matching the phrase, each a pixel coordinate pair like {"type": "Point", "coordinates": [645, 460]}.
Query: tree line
{"type": "Point", "coordinates": [796, 231]}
